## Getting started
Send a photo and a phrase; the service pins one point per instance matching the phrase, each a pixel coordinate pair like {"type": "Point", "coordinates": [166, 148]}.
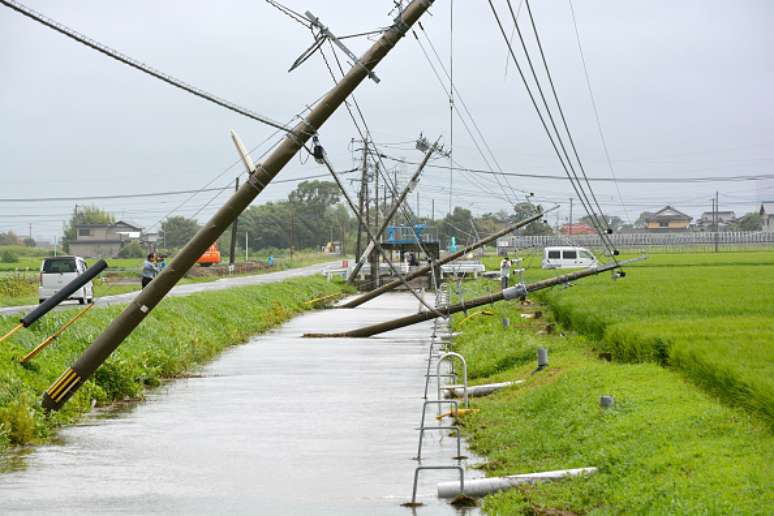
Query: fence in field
{"type": "Point", "coordinates": [688, 241]}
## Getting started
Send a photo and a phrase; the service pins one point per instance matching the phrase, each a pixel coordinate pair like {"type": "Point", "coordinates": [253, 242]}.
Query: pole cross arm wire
{"type": "Point", "coordinates": [139, 308]}
{"type": "Point", "coordinates": [328, 34]}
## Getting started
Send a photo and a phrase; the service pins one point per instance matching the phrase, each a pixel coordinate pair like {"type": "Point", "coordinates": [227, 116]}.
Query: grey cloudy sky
{"type": "Point", "coordinates": [683, 90]}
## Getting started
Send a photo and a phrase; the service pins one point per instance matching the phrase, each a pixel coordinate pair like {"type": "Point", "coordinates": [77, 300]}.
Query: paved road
{"type": "Point", "coordinates": [193, 288]}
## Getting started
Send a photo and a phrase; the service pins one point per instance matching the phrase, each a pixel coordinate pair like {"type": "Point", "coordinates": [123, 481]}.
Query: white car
{"type": "Point", "coordinates": [58, 271]}
{"type": "Point", "coordinates": [568, 257]}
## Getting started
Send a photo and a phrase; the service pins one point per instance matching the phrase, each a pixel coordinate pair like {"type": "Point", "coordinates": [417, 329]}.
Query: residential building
{"type": "Point", "coordinates": [103, 240]}
{"type": "Point", "coordinates": [767, 215]}
{"type": "Point", "coordinates": [706, 222]}
{"type": "Point", "coordinates": [667, 219]}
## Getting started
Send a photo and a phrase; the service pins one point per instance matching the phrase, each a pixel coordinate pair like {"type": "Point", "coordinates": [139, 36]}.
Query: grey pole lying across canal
{"type": "Point", "coordinates": [123, 325]}
{"type": "Point", "coordinates": [515, 292]}
{"type": "Point", "coordinates": [425, 269]}
{"type": "Point", "coordinates": [387, 218]}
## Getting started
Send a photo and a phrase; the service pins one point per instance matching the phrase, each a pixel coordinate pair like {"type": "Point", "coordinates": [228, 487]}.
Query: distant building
{"type": "Point", "coordinates": [103, 240]}
{"type": "Point", "coordinates": [667, 219]}
{"type": "Point", "coordinates": [576, 229]}
{"type": "Point", "coordinates": [767, 215]}
{"type": "Point", "coordinates": [707, 222]}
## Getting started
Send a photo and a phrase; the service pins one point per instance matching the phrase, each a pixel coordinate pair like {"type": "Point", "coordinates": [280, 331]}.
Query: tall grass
{"type": "Point", "coordinates": [708, 315]}
{"type": "Point", "coordinates": [177, 335]}
{"type": "Point", "coordinates": [667, 446]}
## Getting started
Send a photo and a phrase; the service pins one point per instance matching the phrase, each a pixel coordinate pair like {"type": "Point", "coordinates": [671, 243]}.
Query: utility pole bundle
{"type": "Point", "coordinates": [515, 292]}
{"type": "Point", "coordinates": [123, 325]}
{"type": "Point", "coordinates": [427, 268]}
{"type": "Point", "coordinates": [389, 216]}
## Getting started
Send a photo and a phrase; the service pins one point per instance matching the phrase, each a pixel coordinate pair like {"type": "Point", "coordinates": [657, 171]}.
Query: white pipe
{"type": "Point", "coordinates": [483, 486]}
{"type": "Point", "coordinates": [456, 391]}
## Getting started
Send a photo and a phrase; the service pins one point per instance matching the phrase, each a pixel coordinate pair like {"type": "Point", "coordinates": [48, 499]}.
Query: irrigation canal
{"type": "Point", "coordinates": [280, 425]}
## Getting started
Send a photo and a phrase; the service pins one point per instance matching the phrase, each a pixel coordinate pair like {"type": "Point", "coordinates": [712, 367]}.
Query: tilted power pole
{"type": "Point", "coordinates": [515, 292]}
{"type": "Point", "coordinates": [123, 325]}
{"type": "Point", "coordinates": [388, 217]}
{"type": "Point", "coordinates": [424, 270]}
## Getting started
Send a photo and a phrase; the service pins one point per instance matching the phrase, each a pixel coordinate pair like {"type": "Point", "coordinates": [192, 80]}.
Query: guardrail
{"type": "Point", "coordinates": [633, 241]}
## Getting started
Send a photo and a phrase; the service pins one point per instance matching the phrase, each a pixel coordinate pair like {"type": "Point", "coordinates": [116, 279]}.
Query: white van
{"type": "Point", "coordinates": [58, 271]}
{"type": "Point", "coordinates": [568, 257]}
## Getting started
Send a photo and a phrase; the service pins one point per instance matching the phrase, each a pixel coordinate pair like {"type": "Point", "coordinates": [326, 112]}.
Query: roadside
{"type": "Point", "coordinates": [190, 287]}
{"type": "Point", "coordinates": [181, 333]}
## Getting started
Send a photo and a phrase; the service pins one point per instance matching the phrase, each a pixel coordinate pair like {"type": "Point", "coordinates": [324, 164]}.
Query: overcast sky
{"type": "Point", "coordinates": [683, 89]}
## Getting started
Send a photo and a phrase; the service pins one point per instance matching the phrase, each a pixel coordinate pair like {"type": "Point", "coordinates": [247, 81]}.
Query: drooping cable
{"type": "Point", "coordinates": [602, 138]}
{"type": "Point", "coordinates": [603, 222]}
{"type": "Point", "coordinates": [584, 198]}
{"type": "Point", "coordinates": [455, 94]}
{"type": "Point", "coordinates": [129, 61]}
{"type": "Point", "coordinates": [576, 186]}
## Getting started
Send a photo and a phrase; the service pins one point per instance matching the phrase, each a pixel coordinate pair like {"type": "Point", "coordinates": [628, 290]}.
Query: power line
{"type": "Point", "coordinates": [594, 107]}
{"type": "Point", "coordinates": [123, 58]}
{"type": "Point", "coordinates": [644, 180]}
{"type": "Point", "coordinates": [564, 157]}
{"type": "Point", "coordinates": [155, 194]}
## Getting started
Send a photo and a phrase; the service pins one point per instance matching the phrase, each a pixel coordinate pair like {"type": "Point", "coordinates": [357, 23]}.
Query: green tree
{"type": "Point", "coordinates": [178, 230]}
{"type": "Point", "coordinates": [85, 215]}
{"type": "Point", "coordinates": [750, 222]}
{"type": "Point", "coordinates": [132, 250]}
{"type": "Point", "coordinates": [9, 238]}
{"type": "Point", "coordinates": [524, 210]}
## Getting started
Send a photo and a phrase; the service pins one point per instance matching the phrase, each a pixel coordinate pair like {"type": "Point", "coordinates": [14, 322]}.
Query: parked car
{"type": "Point", "coordinates": [58, 271]}
{"type": "Point", "coordinates": [568, 257]}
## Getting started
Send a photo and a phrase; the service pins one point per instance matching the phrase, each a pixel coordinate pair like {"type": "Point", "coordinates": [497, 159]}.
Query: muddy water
{"type": "Point", "coordinates": [281, 425]}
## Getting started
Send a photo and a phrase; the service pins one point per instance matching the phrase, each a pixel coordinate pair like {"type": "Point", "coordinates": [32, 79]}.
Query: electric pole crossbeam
{"type": "Point", "coordinates": [123, 325]}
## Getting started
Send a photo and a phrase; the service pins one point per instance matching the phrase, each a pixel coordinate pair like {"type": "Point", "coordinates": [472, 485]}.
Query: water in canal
{"type": "Point", "coordinates": [280, 425]}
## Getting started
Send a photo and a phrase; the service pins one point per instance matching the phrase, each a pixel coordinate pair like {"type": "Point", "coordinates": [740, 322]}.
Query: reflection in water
{"type": "Point", "coordinates": [281, 425]}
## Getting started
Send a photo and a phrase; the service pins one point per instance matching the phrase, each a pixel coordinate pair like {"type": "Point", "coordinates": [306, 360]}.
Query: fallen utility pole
{"type": "Point", "coordinates": [515, 292]}
{"type": "Point", "coordinates": [388, 217]}
{"type": "Point", "coordinates": [425, 269]}
{"type": "Point", "coordinates": [123, 325]}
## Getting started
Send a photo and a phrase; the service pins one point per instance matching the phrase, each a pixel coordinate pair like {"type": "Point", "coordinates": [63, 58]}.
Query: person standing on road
{"type": "Point", "coordinates": [505, 271]}
{"type": "Point", "coordinates": [149, 270]}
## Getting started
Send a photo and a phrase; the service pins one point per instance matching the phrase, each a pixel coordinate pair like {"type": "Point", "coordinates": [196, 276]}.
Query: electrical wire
{"type": "Point", "coordinates": [129, 61]}
{"type": "Point", "coordinates": [596, 111]}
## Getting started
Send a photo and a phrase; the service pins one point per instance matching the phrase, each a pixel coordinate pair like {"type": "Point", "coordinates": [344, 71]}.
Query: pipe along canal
{"type": "Point", "coordinates": [280, 425]}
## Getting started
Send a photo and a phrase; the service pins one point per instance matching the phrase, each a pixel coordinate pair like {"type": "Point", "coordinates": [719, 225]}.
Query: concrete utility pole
{"type": "Point", "coordinates": [388, 217]}
{"type": "Point", "coordinates": [515, 292]}
{"type": "Point", "coordinates": [717, 221]}
{"type": "Point", "coordinates": [232, 246]}
{"type": "Point", "coordinates": [123, 325]}
{"type": "Point", "coordinates": [427, 268]}
{"type": "Point", "coordinates": [361, 197]}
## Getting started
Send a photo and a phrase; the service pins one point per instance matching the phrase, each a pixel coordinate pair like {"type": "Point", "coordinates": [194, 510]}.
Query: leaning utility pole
{"type": "Point", "coordinates": [515, 292]}
{"type": "Point", "coordinates": [427, 268]}
{"type": "Point", "coordinates": [232, 245]}
{"type": "Point", "coordinates": [393, 209]}
{"type": "Point", "coordinates": [361, 196]}
{"type": "Point", "coordinates": [123, 325]}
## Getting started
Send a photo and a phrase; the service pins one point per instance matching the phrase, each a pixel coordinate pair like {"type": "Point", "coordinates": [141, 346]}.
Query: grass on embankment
{"type": "Point", "coordinates": [178, 334]}
{"type": "Point", "coordinates": [667, 447]}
